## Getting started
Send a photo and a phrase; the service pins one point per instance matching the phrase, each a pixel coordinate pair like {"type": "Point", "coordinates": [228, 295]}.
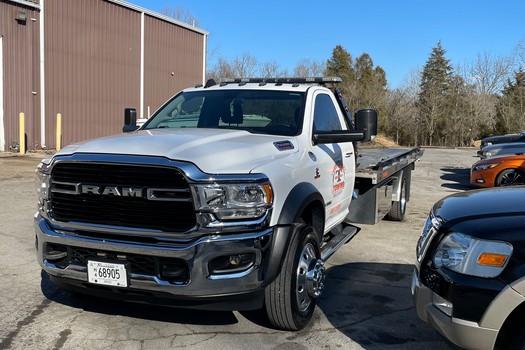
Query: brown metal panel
{"type": "Point", "coordinates": [173, 60]}
{"type": "Point", "coordinates": [92, 62]}
{"type": "Point", "coordinates": [21, 73]}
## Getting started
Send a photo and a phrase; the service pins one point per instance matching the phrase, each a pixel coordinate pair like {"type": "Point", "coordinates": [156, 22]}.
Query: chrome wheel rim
{"type": "Point", "coordinates": [403, 201]}
{"type": "Point", "coordinates": [310, 277]}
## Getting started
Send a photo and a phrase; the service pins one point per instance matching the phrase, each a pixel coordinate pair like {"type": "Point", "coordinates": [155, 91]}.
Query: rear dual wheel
{"type": "Point", "coordinates": [398, 209]}
{"type": "Point", "coordinates": [290, 300]}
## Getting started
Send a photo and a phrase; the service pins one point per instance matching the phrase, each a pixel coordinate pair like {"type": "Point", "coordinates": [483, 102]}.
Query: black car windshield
{"type": "Point", "coordinates": [256, 111]}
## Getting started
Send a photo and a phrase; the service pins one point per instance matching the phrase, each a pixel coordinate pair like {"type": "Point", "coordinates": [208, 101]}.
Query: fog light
{"type": "Point", "coordinates": [231, 263]}
{"type": "Point", "coordinates": [173, 271]}
{"type": "Point", "coordinates": [480, 181]}
{"type": "Point", "coordinates": [54, 252]}
{"type": "Point", "coordinates": [442, 304]}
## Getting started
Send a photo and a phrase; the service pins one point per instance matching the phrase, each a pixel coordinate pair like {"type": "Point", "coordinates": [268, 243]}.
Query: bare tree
{"type": "Point", "coordinates": [180, 13]}
{"type": "Point", "coordinates": [519, 54]}
{"type": "Point", "coordinates": [271, 69]}
{"type": "Point", "coordinates": [244, 66]}
{"type": "Point", "coordinates": [488, 73]}
{"type": "Point", "coordinates": [402, 115]}
{"type": "Point", "coordinates": [309, 68]}
{"type": "Point", "coordinates": [222, 69]}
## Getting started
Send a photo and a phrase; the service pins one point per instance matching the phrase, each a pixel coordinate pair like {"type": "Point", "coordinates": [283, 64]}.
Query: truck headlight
{"type": "Point", "coordinates": [234, 201]}
{"type": "Point", "coordinates": [42, 182]}
{"type": "Point", "coordinates": [471, 256]}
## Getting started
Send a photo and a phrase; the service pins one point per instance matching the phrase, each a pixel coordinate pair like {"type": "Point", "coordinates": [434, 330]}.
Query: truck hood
{"type": "Point", "coordinates": [212, 150]}
{"type": "Point", "coordinates": [486, 213]}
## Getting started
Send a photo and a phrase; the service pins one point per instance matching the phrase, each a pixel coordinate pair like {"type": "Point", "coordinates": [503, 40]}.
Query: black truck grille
{"type": "Point", "coordinates": [128, 211]}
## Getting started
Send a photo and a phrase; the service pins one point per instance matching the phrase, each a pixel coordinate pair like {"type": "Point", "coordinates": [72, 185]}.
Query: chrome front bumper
{"type": "Point", "coordinates": [197, 254]}
{"type": "Point", "coordinates": [466, 334]}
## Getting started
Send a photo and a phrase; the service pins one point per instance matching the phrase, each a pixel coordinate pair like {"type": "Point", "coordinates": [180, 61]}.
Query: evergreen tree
{"type": "Point", "coordinates": [340, 65]}
{"type": "Point", "coordinates": [434, 89]}
{"type": "Point", "coordinates": [511, 107]}
{"type": "Point", "coordinates": [364, 86]}
{"type": "Point", "coordinates": [370, 85]}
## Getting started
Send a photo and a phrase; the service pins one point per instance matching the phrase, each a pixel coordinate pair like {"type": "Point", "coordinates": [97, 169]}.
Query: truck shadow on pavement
{"type": "Point", "coordinates": [135, 310]}
{"type": "Point", "coordinates": [371, 303]}
{"type": "Point", "coordinates": [456, 179]}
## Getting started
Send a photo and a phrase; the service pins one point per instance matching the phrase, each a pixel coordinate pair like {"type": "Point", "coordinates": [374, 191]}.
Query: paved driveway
{"type": "Point", "coordinates": [366, 304]}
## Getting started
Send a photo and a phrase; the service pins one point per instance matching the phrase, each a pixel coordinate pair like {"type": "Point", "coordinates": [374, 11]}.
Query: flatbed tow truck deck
{"type": "Point", "coordinates": [382, 184]}
{"type": "Point", "coordinates": [377, 164]}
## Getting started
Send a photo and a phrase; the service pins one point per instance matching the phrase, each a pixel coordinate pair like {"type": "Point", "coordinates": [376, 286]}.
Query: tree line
{"type": "Point", "coordinates": [438, 105]}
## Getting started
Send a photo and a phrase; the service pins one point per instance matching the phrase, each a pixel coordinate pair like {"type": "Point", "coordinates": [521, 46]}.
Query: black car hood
{"type": "Point", "coordinates": [487, 213]}
{"type": "Point", "coordinates": [502, 138]}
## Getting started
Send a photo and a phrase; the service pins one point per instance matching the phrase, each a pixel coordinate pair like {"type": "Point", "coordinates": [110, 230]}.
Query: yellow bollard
{"type": "Point", "coordinates": [59, 131]}
{"type": "Point", "coordinates": [22, 134]}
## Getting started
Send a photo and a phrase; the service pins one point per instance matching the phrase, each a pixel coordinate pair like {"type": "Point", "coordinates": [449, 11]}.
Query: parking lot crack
{"type": "Point", "coordinates": [63, 336]}
{"type": "Point", "coordinates": [372, 317]}
{"type": "Point", "coordinates": [28, 320]}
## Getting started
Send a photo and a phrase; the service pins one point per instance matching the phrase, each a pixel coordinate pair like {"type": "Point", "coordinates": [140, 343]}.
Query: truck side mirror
{"type": "Point", "coordinates": [130, 120]}
{"type": "Point", "coordinates": [366, 119]}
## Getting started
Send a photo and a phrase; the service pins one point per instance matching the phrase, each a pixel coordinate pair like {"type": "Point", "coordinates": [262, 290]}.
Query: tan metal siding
{"type": "Point", "coordinates": [92, 60]}
{"type": "Point", "coordinates": [172, 61]}
{"type": "Point", "coordinates": [21, 73]}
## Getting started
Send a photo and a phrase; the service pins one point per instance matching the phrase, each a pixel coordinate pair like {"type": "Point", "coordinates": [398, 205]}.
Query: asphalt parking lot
{"type": "Point", "coordinates": [366, 304]}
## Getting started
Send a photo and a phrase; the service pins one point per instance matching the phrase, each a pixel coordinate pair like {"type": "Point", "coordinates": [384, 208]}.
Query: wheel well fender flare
{"type": "Point", "coordinates": [299, 198]}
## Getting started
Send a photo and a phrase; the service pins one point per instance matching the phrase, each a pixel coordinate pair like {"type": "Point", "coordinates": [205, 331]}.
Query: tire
{"type": "Point", "coordinates": [518, 342]}
{"type": "Point", "coordinates": [290, 300]}
{"type": "Point", "coordinates": [398, 209]}
{"type": "Point", "coordinates": [510, 177]}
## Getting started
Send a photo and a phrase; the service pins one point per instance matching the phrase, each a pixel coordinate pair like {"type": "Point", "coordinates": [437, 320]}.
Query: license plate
{"type": "Point", "coordinates": [107, 273]}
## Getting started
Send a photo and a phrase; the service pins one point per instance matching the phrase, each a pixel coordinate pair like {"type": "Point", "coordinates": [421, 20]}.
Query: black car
{"type": "Point", "coordinates": [492, 140]}
{"type": "Point", "coordinates": [469, 277]}
{"type": "Point", "coordinates": [501, 149]}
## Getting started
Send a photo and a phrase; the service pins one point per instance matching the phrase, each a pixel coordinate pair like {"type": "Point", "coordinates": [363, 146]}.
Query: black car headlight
{"type": "Point", "coordinates": [471, 256]}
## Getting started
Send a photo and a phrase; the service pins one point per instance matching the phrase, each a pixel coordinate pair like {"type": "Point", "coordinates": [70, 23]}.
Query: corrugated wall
{"type": "Point", "coordinates": [172, 61]}
{"type": "Point", "coordinates": [92, 67]}
{"type": "Point", "coordinates": [92, 60]}
{"type": "Point", "coordinates": [20, 73]}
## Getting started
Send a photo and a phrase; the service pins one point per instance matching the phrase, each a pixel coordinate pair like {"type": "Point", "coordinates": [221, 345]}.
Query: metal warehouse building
{"type": "Point", "coordinates": [88, 60]}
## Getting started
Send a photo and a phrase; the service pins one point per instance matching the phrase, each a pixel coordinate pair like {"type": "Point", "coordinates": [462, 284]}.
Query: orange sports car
{"type": "Point", "coordinates": [499, 171]}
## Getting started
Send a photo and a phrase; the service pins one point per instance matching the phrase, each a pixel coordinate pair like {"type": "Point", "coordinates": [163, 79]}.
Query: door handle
{"type": "Point", "coordinates": [348, 154]}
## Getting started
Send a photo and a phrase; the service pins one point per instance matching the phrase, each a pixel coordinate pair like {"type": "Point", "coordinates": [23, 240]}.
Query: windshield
{"type": "Point", "coordinates": [256, 111]}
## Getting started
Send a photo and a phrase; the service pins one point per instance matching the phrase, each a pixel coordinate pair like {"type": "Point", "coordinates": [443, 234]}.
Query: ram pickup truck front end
{"type": "Point", "coordinates": [168, 226]}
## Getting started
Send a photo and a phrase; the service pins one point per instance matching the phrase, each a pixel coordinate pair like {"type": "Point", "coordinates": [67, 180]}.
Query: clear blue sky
{"type": "Point", "coordinates": [398, 34]}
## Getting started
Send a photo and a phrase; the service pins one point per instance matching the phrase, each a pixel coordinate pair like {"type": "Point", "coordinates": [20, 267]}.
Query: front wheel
{"type": "Point", "coordinates": [290, 300]}
{"type": "Point", "coordinates": [518, 343]}
{"type": "Point", "coordinates": [510, 177]}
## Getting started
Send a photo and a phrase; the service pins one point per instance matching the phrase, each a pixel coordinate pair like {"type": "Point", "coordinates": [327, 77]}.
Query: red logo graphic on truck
{"type": "Point", "coordinates": [338, 179]}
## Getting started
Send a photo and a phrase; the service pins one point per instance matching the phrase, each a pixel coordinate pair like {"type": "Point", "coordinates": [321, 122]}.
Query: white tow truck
{"type": "Point", "coordinates": [231, 197]}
